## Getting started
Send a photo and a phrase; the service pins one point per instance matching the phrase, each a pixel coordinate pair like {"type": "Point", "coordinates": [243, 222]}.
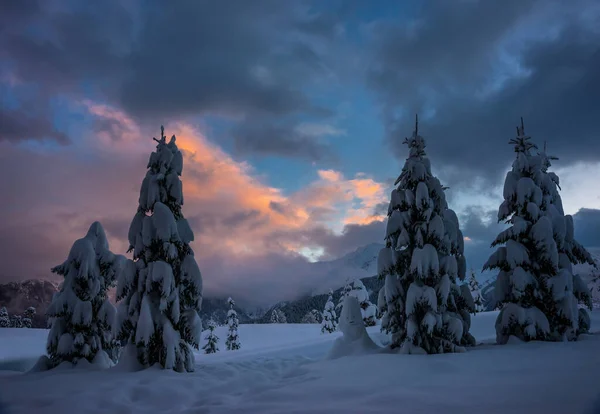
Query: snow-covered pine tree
{"type": "Point", "coordinates": [160, 290]}
{"type": "Point", "coordinates": [382, 310]}
{"type": "Point", "coordinates": [4, 319]}
{"type": "Point", "coordinates": [81, 316]}
{"type": "Point", "coordinates": [329, 323]}
{"type": "Point", "coordinates": [422, 261]}
{"type": "Point", "coordinates": [277, 316]}
{"type": "Point", "coordinates": [28, 316]}
{"type": "Point", "coordinates": [563, 290]}
{"type": "Point", "coordinates": [311, 316]}
{"type": "Point", "coordinates": [367, 309]}
{"type": "Point", "coordinates": [212, 340]}
{"type": "Point", "coordinates": [594, 285]}
{"type": "Point", "coordinates": [233, 339]}
{"type": "Point", "coordinates": [317, 315]}
{"type": "Point", "coordinates": [475, 292]}
{"type": "Point", "coordinates": [16, 321]}
{"type": "Point", "coordinates": [345, 292]}
{"type": "Point", "coordinates": [529, 254]}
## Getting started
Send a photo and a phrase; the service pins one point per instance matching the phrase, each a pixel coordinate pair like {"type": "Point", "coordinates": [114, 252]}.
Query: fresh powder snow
{"type": "Point", "coordinates": [284, 368]}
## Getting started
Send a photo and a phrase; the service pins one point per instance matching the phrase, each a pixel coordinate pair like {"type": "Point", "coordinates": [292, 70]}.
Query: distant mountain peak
{"type": "Point", "coordinates": [358, 264]}
{"type": "Point", "coordinates": [18, 296]}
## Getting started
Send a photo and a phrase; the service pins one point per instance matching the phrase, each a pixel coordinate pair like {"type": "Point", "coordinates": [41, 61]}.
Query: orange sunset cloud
{"type": "Point", "coordinates": [237, 217]}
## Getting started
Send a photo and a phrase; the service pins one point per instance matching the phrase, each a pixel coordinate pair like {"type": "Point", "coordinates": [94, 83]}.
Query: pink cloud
{"type": "Point", "coordinates": [248, 234]}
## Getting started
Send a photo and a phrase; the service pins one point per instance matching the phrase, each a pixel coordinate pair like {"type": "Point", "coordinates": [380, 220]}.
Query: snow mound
{"type": "Point", "coordinates": [355, 339]}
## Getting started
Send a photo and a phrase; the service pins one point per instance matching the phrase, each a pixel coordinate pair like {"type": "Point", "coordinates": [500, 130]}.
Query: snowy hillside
{"type": "Point", "coordinates": [283, 368]}
{"type": "Point", "coordinates": [358, 264]}
{"type": "Point", "coordinates": [361, 263]}
{"type": "Point", "coordinates": [295, 310]}
{"type": "Point", "coordinates": [18, 296]}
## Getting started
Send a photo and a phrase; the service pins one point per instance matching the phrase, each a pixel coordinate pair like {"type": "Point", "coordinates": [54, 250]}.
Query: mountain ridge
{"type": "Point", "coordinates": [358, 264]}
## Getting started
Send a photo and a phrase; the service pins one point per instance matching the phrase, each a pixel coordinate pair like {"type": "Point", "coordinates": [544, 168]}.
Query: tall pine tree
{"type": "Point", "coordinates": [233, 339]}
{"type": "Point", "coordinates": [564, 290]}
{"type": "Point", "coordinates": [161, 288]}
{"type": "Point", "coordinates": [528, 254]}
{"type": "Point", "coordinates": [82, 317]}
{"type": "Point", "coordinates": [422, 262]}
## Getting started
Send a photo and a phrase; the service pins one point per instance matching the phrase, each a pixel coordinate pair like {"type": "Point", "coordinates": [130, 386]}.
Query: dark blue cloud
{"type": "Point", "coordinates": [442, 64]}
{"type": "Point", "coordinates": [587, 227]}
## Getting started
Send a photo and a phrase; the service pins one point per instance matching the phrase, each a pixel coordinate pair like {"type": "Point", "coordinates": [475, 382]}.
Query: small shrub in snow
{"type": "Point", "coordinates": [81, 316]}
{"type": "Point", "coordinates": [160, 290]}
{"type": "Point", "coordinates": [421, 263]}
{"type": "Point", "coordinates": [212, 340]}
{"type": "Point", "coordinates": [476, 293]}
{"type": "Point", "coordinates": [535, 288]}
{"type": "Point", "coordinates": [329, 323]}
{"type": "Point", "coordinates": [277, 316]}
{"type": "Point", "coordinates": [233, 339]}
{"type": "Point", "coordinates": [28, 316]}
{"type": "Point", "coordinates": [4, 319]}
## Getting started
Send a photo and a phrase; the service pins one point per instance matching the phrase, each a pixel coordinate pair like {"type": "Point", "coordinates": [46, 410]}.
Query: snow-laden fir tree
{"type": "Point", "coordinates": [4, 319]}
{"type": "Point", "coordinates": [28, 316]}
{"type": "Point", "coordinates": [344, 293]}
{"type": "Point", "coordinates": [382, 310]}
{"type": "Point", "coordinates": [160, 290]}
{"type": "Point", "coordinates": [212, 340]}
{"type": "Point", "coordinates": [594, 285]}
{"type": "Point", "coordinates": [422, 262]}
{"type": "Point", "coordinates": [368, 310]}
{"type": "Point", "coordinates": [535, 287]}
{"type": "Point", "coordinates": [329, 323]}
{"type": "Point", "coordinates": [233, 339]}
{"type": "Point", "coordinates": [476, 292]}
{"type": "Point", "coordinates": [81, 316]}
{"type": "Point", "coordinates": [277, 316]}
{"type": "Point", "coordinates": [312, 316]}
{"type": "Point", "coordinates": [16, 321]}
{"type": "Point", "coordinates": [564, 290]}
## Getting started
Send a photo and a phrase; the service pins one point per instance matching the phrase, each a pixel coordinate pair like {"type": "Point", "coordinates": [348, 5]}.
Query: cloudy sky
{"type": "Point", "coordinates": [291, 116]}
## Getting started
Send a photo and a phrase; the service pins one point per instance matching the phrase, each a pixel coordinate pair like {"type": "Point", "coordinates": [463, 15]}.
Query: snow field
{"type": "Point", "coordinates": [281, 368]}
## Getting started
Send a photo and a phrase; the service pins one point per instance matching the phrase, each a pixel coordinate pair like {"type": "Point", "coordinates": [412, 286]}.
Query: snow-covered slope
{"type": "Point", "coordinates": [282, 368]}
{"type": "Point", "coordinates": [358, 264]}
{"type": "Point", "coordinates": [18, 296]}
{"type": "Point", "coordinates": [361, 263]}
